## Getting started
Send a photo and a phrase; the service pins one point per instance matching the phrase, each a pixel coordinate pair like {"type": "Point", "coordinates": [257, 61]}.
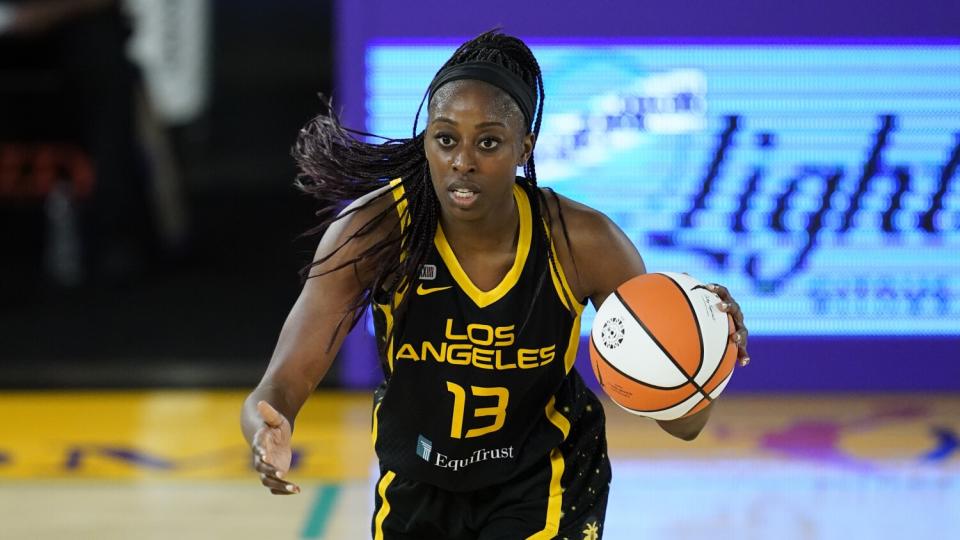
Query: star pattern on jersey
{"type": "Point", "coordinates": [591, 531]}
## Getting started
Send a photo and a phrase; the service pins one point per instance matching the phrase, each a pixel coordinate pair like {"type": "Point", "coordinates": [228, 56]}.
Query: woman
{"type": "Point", "coordinates": [482, 428]}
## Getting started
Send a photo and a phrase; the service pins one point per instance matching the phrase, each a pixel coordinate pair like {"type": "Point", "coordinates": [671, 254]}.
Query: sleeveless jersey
{"type": "Point", "coordinates": [472, 395]}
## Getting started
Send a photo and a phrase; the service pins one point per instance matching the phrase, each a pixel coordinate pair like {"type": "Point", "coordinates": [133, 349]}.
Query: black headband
{"type": "Point", "coordinates": [495, 74]}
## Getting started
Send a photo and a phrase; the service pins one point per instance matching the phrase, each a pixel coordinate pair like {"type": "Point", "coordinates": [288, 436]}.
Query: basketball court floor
{"type": "Point", "coordinates": [172, 464]}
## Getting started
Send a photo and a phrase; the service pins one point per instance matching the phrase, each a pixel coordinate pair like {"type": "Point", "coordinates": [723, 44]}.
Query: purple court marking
{"type": "Point", "coordinates": [947, 443]}
{"type": "Point", "coordinates": [72, 462]}
{"type": "Point", "coordinates": [810, 440]}
{"type": "Point", "coordinates": [76, 455]}
{"type": "Point", "coordinates": [817, 440]}
{"type": "Point", "coordinates": [138, 458]}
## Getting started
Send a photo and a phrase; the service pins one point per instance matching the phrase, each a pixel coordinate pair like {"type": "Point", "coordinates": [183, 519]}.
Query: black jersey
{"type": "Point", "coordinates": [472, 395]}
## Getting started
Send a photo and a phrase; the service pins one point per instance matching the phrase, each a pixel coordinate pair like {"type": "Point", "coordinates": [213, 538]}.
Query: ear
{"type": "Point", "coordinates": [529, 141]}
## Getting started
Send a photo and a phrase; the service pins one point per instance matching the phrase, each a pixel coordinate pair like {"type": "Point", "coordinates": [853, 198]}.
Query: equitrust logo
{"type": "Point", "coordinates": [426, 452]}
{"type": "Point", "coordinates": [424, 446]}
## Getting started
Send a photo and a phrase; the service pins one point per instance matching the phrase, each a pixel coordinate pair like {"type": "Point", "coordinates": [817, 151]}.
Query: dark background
{"type": "Point", "coordinates": [207, 313]}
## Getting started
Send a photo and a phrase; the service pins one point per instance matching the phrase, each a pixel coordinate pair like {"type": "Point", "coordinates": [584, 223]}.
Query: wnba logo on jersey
{"type": "Point", "coordinates": [423, 447]}
{"type": "Point", "coordinates": [428, 272]}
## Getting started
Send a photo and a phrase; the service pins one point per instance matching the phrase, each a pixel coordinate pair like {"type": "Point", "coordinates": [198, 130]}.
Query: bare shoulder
{"type": "Point", "coordinates": [578, 217]}
{"type": "Point", "coordinates": [372, 205]}
{"type": "Point", "coordinates": [595, 253]}
{"type": "Point", "coordinates": [360, 225]}
{"type": "Point", "coordinates": [577, 229]}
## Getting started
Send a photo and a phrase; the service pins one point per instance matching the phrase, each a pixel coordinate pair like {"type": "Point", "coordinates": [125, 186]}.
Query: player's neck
{"type": "Point", "coordinates": [492, 233]}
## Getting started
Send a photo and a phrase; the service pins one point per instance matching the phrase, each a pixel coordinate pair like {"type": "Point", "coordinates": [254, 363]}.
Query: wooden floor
{"type": "Point", "coordinates": [142, 465]}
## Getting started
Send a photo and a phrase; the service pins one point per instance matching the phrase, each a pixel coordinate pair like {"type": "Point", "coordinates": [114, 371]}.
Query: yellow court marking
{"type": "Point", "coordinates": [172, 434]}
{"type": "Point", "coordinates": [196, 435]}
{"type": "Point", "coordinates": [172, 464]}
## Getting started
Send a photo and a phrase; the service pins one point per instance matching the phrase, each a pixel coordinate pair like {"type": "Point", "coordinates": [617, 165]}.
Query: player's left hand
{"type": "Point", "coordinates": [732, 308]}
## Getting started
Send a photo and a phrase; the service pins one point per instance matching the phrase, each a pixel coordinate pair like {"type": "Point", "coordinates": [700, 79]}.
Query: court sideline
{"type": "Point", "coordinates": [172, 464]}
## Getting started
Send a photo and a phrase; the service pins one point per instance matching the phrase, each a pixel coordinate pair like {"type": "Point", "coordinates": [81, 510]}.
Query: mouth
{"type": "Point", "coordinates": [463, 195]}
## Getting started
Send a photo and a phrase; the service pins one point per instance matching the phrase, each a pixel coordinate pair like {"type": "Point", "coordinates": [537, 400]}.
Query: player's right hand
{"type": "Point", "coordinates": [272, 453]}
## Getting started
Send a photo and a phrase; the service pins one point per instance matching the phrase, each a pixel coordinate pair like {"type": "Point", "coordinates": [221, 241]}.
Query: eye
{"type": "Point", "coordinates": [489, 143]}
{"type": "Point", "coordinates": [445, 140]}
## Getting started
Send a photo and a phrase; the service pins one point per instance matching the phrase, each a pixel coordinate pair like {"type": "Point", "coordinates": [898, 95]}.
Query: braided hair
{"type": "Point", "coordinates": [336, 166]}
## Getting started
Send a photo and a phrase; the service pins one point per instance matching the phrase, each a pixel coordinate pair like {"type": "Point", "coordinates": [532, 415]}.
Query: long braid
{"type": "Point", "coordinates": [530, 171]}
{"type": "Point", "coordinates": [336, 166]}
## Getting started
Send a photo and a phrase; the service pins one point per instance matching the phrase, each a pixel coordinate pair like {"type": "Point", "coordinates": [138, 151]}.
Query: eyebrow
{"type": "Point", "coordinates": [446, 120]}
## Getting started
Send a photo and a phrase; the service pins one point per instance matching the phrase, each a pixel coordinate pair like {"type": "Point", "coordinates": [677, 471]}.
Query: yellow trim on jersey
{"type": "Point", "coordinates": [559, 278]}
{"type": "Point", "coordinates": [396, 189]}
{"type": "Point", "coordinates": [375, 423]}
{"type": "Point", "coordinates": [573, 343]}
{"type": "Point", "coordinates": [485, 298]}
{"type": "Point", "coordinates": [387, 310]}
{"type": "Point", "coordinates": [552, 525]}
{"type": "Point", "coordinates": [564, 292]}
{"type": "Point", "coordinates": [556, 418]}
{"type": "Point", "coordinates": [385, 507]}
{"type": "Point", "coordinates": [555, 500]}
{"type": "Point", "coordinates": [559, 288]}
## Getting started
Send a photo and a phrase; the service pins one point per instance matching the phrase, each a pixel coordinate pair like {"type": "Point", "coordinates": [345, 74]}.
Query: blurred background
{"type": "Point", "coordinates": [805, 155]}
{"type": "Point", "coordinates": [148, 213]}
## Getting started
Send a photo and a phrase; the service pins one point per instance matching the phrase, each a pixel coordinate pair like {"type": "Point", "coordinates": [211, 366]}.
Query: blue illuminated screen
{"type": "Point", "coordinates": [817, 182]}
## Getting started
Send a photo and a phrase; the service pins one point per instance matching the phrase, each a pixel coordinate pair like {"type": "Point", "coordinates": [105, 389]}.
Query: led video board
{"type": "Point", "coordinates": [818, 182]}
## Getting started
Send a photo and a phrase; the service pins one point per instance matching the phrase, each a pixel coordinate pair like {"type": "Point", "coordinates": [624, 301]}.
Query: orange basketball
{"type": "Point", "coordinates": [660, 347]}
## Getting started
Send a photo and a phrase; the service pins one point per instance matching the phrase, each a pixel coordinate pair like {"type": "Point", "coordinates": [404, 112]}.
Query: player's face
{"type": "Point", "coordinates": [474, 141]}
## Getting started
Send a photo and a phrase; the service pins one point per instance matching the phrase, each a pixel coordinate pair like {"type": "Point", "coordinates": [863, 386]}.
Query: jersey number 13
{"type": "Point", "coordinates": [498, 411]}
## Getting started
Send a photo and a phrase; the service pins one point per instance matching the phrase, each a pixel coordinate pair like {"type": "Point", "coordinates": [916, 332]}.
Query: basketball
{"type": "Point", "coordinates": [659, 346]}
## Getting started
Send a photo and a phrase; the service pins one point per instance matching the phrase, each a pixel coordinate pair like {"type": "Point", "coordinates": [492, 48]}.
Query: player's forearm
{"type": "Point", "coordinates": [290, 378]}
{"type": "Point", "coordinates": [689, 427]}
{"type": "Point", "coordinates": [307, 346]}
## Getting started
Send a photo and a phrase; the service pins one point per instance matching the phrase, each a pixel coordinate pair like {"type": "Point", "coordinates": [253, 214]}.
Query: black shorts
{"type": "Point", "coordinates": [532, 504]}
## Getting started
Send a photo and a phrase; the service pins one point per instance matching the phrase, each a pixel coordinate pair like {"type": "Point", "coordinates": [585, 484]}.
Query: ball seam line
{"type": "Point", "coordinates": [696, 320]}
{"type": "Point", "coordinates": [638, 381]}
{"type": "Point", "coordinates": [660, 345]}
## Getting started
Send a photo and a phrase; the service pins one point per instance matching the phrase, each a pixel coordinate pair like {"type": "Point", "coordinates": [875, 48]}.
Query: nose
{"type": "Point", "coordinates": [463, 160]}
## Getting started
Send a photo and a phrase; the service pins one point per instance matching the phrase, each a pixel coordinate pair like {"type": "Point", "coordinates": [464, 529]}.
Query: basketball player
{"type": "Point", "coordinates": [477, 280]}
